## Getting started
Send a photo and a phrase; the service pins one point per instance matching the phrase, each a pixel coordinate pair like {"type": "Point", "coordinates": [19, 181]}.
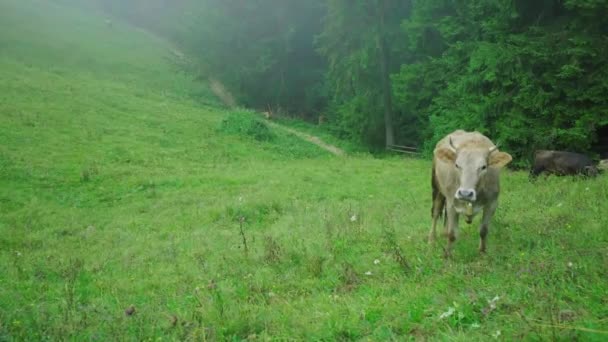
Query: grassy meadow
{"type": "Point", "coordinates": [134, 207]}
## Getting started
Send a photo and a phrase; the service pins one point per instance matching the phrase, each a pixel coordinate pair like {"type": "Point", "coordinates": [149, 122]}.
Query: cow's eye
{"type": "Point", "coordinates": [457, 166]}
{"type": "Point", "coordinates": [484, 167]}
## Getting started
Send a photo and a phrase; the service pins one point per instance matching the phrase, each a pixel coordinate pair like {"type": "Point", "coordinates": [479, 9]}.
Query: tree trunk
{"type": "Point", "coordinates": [385, 79]}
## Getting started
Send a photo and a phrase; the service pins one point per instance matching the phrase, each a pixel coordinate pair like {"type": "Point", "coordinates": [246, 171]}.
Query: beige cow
{"type": "Point", "coordinates": [465, 180]}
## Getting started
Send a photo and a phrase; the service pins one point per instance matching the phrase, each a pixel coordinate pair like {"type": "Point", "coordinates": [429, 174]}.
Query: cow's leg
{"type": "Point", "coordinates": [445, 221]}
{"type": "Point", "coordinates": [536, 170]}
{"type": "Point", "coordinates": [438, 205]}
{"type": "Point", "coordinates": [488, 212]}
{"type": "Point", "coordinates": [452, 228]}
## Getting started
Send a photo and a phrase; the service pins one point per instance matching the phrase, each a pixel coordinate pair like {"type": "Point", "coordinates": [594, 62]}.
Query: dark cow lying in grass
{"type": "Point", "coordinates": [562, 163]}
{"type": "Point", "coordinates": [465, 180]}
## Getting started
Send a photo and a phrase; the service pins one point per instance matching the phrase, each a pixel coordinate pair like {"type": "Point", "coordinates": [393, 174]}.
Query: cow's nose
{"type": "Point", "coordinates": [466, 194]}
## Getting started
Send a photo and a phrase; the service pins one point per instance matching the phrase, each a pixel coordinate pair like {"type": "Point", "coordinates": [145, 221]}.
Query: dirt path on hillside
{"type": "Point", "coordinates": [226, 97]}
{"type": "Point", "coordinates": [311, 139]}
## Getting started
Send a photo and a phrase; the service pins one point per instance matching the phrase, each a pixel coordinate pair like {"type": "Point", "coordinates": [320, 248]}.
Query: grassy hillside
{"type": "Point", "coordinates": [122, 183]}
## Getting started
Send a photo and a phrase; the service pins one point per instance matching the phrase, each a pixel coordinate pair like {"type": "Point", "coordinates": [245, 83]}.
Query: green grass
{"type": "Point", "coordinates": [122, 183]}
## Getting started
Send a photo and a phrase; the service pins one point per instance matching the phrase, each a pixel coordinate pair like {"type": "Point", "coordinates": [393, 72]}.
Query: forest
{"type": "Point", "coordinates": [530, 74]}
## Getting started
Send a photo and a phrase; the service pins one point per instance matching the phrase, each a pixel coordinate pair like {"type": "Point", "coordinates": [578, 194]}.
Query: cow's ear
{"type": "Point", "coordinates": [500, 159]}
{"type": "Point", "coordinates": [446, 155]}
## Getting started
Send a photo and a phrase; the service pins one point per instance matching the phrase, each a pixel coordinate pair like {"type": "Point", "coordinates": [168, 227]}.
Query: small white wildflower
{"type": "Point", "coordinates": [376, 262]}
{"type": "Point", "coordinates": [559, 204]}
{"type": "Point", "coordinates": [240, 198]}
{"type": "Point", "coordinates": [353, 218]}
{"type": "Point", "coordinates": [587, 188]}
{"type": "Point", "coordinates": [18, 253]}
{"type": "Point", "coordinates": [496, 334]}
{"type": "Point", "coordinates": [368, 273]}
{"type": "Point", "coordinates": [448, 313]}
{"type": "Point", "coordinates": [570, 264]}
{"type": "Point", "coordinates": [271, 294]}
{"type": "Point", "coordinates": [475, 325]}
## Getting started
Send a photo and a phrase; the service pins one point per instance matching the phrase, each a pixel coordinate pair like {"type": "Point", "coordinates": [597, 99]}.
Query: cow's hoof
{"type": "Point", "coordinates": [447, 254]}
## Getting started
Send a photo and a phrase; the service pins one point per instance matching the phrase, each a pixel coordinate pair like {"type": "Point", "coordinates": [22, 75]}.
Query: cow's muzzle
{"type": "Point", "coordinates": [468, 195]}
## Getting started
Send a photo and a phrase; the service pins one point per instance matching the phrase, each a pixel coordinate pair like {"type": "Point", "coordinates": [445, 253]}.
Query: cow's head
{"type": "Point", "coordinates": [472, 163]}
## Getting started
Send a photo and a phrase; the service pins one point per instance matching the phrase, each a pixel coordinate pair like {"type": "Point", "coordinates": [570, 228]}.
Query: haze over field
{"type": "Point", "coordinates": [135, 204]}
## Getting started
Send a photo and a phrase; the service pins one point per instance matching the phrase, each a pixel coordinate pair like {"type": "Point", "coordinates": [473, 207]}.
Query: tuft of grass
{"type": "Point", "coordinates": [124, 213]}
{"type": "Point", "coordinates": [246, 124]}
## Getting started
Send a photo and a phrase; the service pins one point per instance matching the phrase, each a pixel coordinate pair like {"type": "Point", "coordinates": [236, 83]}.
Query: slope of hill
{"type": "Point", "coordinates": [132, 207]}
